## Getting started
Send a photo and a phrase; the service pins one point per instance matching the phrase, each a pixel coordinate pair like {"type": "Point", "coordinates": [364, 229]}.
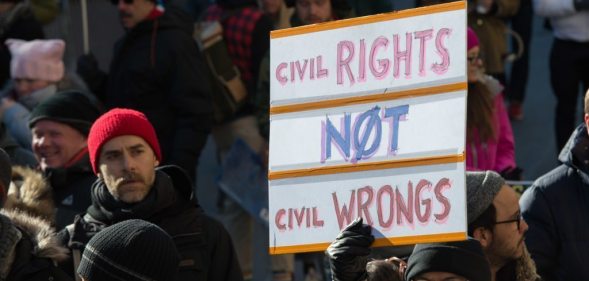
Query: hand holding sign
{"type": "Point", "coordinates": [348, 254]}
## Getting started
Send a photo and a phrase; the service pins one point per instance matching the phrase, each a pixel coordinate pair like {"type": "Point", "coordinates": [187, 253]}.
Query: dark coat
{"type": "Point", "coordinates": [71, 190]}
{"type": "Point", "coordinates": [556, 209]}
{"type": "Point", "coordinates": [158, 70]}
{"type": "Point", "coordinates": [32, 256]}
{"type": "Point", "coordinates": [205, 247]}
{"type": "Point", "coordinates": [18, 155]}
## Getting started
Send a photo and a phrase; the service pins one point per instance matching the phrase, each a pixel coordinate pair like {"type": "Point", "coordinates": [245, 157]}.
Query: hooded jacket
{"type": "Point", "coordinates": [29, 249]}
{"type": "Point", "coordinates": [29, 192]}
{"type": "Point", "coordinates": [555, 208]}
{"type": "Point", "coordinates": [204, 245]}
{"type": "Point", "coordinates": [157, 69]}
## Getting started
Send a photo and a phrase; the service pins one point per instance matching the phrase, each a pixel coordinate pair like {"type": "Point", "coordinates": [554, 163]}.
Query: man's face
{"type": "Point", "coordinates": [314, 11]}
{"type": "Point", "coordinates": [127, 167]}
{"type": "Point", "coordinates": [55, 144]}
{"type": "Point", "coordinates": [439, 276]}
{"type": "Point", "coordinates": [271, 7]}
{"type": "Point", "coordinates": [135, 12]}
{"type": "Point", "coordinates": [508, 238]}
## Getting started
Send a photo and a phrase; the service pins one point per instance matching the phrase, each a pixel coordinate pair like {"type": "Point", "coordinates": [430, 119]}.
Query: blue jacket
{"type": "Point", "coordinates": [556, 209]}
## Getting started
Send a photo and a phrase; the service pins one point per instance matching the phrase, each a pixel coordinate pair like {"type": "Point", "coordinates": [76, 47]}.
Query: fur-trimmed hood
{"type": "Point", "coordinates": [30, 192]}
{"type": "Point", "coordinates": [37, 231]}
{"type": "Point", "coordinates": [522, 269]}
{"type": "Point", "coordinates": [525, 269]}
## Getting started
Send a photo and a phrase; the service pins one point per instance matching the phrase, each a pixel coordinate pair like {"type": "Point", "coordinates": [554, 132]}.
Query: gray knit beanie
{"type": "Point", "coordinates": [132, 250]}
{"type": "Point", "coordinates": [481, 189]}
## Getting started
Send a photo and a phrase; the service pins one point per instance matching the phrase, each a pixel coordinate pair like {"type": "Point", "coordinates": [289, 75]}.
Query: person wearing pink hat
{"type": "Point", "coordinates": [37, 72]}
{"type": "Point", "coordinates": [489, 144]}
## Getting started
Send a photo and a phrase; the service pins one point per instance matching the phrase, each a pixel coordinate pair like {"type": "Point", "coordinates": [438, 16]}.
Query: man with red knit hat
{"type": "Point", "coordinates": [125, 155]}
{"type": "Point", "coordinates": [158, 70]}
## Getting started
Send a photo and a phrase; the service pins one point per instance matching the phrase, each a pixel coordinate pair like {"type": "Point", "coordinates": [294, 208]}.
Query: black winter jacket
{"type": "Point", "coordinates": [71, 190]}
{"type": "Point", "coordinates": [31, 249]}
{"type": "Point", "coordinates": [556, 208]}
{"type": "Point", "coordinates": [205, 247]}
{"type": "Point", "coordinates": [158, 70]}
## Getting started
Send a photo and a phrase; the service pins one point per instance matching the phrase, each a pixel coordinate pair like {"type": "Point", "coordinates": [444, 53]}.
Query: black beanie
{"type": "Point", "coordinates": [131, 250]}
{"type": "Point", "coordinates": [464, 258]}
{"type": "Point", "coordinates": [71, 108]}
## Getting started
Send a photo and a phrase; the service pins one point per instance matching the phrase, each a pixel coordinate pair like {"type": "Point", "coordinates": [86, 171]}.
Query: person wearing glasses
{"type": "Point", "coordinates": [489, 137]}
{"type": "Point", "coordinates": [494, 219]}
{"type": "Point", "coordinates": [157, 69]}
{"type": "Point", "coordinates": [556, 207]}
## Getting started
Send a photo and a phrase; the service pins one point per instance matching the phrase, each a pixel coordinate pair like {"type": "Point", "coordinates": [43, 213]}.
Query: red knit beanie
{"type": "Point", "coordinates": [120, 122]}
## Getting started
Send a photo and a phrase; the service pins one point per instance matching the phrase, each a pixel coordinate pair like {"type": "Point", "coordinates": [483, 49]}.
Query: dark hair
{"type": "Point", "coordinates": [486, 220]}
{"type": "Point", "coordinates": [480, 112]}
{"type": "Point", "coordinates": [382, 270]}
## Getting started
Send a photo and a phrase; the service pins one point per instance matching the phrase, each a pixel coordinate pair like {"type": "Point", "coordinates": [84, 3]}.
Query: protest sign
{"type": "Point", "coordinates": [368, 119]}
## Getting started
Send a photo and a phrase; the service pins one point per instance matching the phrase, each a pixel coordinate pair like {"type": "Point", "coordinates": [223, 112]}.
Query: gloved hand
{"type": "Point", "coordinates": [348, 254]}
{"type": "Point", "coordinates": [87, 68]}
{"type": "Point", "coordinates": [581, 5]}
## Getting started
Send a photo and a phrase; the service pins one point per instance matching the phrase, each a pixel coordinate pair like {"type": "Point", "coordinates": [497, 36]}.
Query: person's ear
{"type": "Point", "coordinates": [483, 235]}
{"type": "Point", "coordinates": [157, 162]}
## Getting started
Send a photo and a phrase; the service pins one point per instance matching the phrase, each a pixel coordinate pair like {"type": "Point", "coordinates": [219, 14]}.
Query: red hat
{"type": "Point", "coordinates": [120, 122]}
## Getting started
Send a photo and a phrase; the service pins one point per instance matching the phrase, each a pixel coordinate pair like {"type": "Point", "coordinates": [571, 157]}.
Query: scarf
{"type": "Point", "coordinates": [105, 208]}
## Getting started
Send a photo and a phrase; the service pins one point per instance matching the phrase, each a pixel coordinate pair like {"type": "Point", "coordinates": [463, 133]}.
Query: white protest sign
{"type": "Point", "coordinates": [368, 119]}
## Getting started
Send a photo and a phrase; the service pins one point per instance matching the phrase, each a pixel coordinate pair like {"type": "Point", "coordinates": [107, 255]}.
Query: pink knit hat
{"type": "Point", "coordinates": [37, 59]}
{"type": "Point", "coordinates": [472, 40]}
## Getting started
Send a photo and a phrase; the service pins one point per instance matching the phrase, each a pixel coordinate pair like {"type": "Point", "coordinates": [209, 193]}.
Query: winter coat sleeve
{"type": "Point", "coordinates": [16, 119]}
{"type": "Point", "coordinates": [223, 260]}
{"type": "Point", "coordinates": [542, 237]}
{"type": "Point", "coordinates": [190, 98]}
{"type": "Point", "coordinates": [554, 8]}
{"type": "Point", "coordinates": [505, 158]}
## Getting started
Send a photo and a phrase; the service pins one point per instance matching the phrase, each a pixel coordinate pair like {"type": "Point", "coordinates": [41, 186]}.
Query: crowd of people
{"type": "Point", "coordinates": [98, 168]}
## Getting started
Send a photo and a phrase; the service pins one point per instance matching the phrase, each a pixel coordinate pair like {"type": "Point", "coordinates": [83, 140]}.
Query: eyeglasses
{"type": "Point", "coordinates": [516, 220]}
{"type": "Point", "coordinates": [116, 2]}
{"type": "Point", "coordinates": [473, 59]}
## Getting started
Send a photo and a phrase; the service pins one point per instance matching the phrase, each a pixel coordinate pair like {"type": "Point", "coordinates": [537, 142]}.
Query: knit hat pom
{"type": "Point", "coordinates": [120, 122]}
{"type": "Point", "coordinates": [37, 59]}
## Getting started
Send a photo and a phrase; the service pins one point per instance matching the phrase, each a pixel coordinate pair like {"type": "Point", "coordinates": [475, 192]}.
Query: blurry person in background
{"type": "Point", "coordinates": [37, 72]}
{"type": "Point", "coordinates": [60, 127]}
{"type": "Point", "coordinates": [16, 21]}
{"type": "Point", "coordinates": [490, 144]}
